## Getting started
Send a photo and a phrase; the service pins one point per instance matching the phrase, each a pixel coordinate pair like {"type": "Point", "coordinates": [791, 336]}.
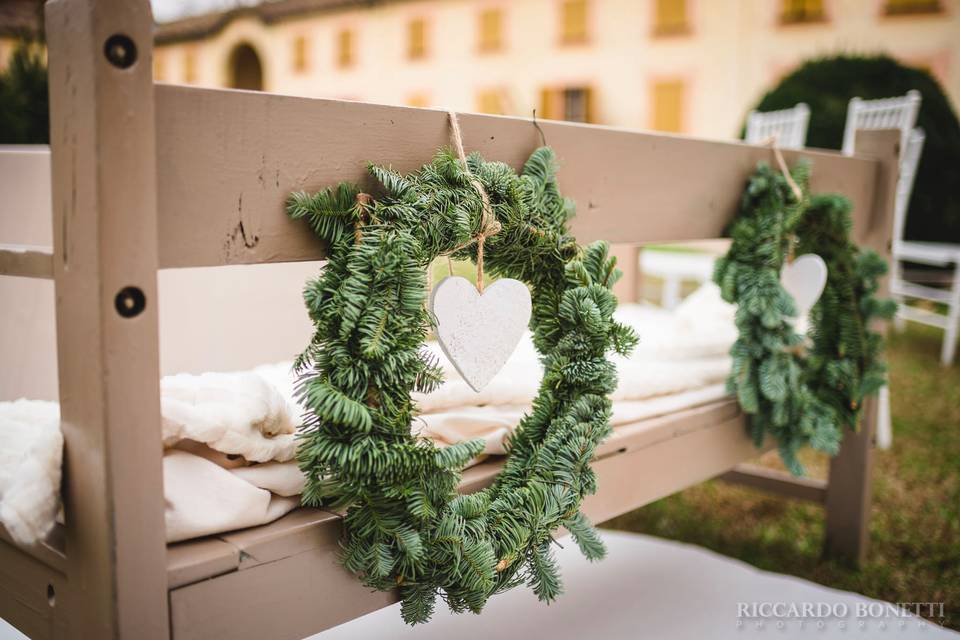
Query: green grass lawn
{"type": "Point", "coordinates": [915, 521]}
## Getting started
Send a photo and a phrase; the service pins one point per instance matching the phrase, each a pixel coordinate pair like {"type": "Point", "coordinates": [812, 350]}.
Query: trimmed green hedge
{"type": "Point", "coordinates": [24, 112]}
{"type": "Point", "coordinates": [827, 85]}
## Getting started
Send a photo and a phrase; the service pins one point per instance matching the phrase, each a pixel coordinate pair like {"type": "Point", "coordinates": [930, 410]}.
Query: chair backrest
{"type": "Point", "coordinates": [787, 126]}
{"type": "Point", "coordinates": [909, 160]}
{"type": "Point", "coordinates": [886, 113]}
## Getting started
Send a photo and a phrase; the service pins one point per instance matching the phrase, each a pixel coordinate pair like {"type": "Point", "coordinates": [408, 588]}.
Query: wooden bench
{"type": "Point", "coordinates": [148, 177]}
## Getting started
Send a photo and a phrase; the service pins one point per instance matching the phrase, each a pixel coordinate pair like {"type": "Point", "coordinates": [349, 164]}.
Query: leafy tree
{"type": "Point", "coordinates": [827, 84]}
{"type": "Point", "coordinates": [24, 107]}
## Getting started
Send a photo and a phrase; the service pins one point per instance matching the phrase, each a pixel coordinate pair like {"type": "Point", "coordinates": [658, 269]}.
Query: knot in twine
{"type": "Point", "coordinates": [489, 225]}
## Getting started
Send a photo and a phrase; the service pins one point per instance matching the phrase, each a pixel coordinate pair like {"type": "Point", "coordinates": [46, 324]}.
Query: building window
{"type": "Point", "coordinates": [159, 70]}
{"type": "Point", "coordinates": [301, 54]}
{"type": "Point", "coordinates": [491, 101]}
{"type": "Point", "coordinates": [491, 30]}
{"type": "Point", "coordinates": [574, 104]}
{"type": "Point", "coordinates": [907, 7]}
{"type": "Point", "coordinates": [801, 11]}
{"type": "Point", "coordinates": [573, 21]}
{"type": "Point", "coordinates": [246, 71]}
{"type": "Point", "coordinates": [345, 48]}
{"type": "Point", "coordinates": [667, 106]}
{"type": "Point", "coordinates": [670, 17]}
{"type": "Point", "coordinates": [189, 66]}
{"type": "Point", "coordinates": [417, 39]}
{"type": "Point", "coordinates": [418, 100]}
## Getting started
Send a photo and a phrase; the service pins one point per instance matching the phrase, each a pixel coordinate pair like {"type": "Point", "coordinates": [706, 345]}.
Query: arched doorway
{"type": "Point", "coordinates": [246, 71]}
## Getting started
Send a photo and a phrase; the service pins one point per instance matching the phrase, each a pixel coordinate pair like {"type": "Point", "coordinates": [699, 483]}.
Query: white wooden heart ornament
{"type": "Point", "coordinates": [804, 279]}
{"type": "Point", "coordinates": [478, 332]}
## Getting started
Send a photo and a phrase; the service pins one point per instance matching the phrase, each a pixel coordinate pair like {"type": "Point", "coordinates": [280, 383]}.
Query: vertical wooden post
{"type": "Point", "coordinates": [102, 134]}
{"type": "Point", "coordinates": [627, 288]}
{"type": "Point", "coordinates": [849, 490]}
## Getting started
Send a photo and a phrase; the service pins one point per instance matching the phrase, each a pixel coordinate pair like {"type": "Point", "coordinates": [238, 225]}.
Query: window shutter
{"type": "Point", "coordinates": [345, 48]}
{"type": "Point", "coordinates": [667, 106]}
{"type": "Point", "coordinates": [547, 101]}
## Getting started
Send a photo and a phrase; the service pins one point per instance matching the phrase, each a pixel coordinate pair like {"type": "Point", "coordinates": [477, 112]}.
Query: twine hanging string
{"type": "Point", "coordinates": [536, 125]}
{"type": "Point", "coordinates": [797, 191]}
{"type": "Point", "coordinates": [363, 205]}
{"type": "Point", "coordinates": [488, 223]}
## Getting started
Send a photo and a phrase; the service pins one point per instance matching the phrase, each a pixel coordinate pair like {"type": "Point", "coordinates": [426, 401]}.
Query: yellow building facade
{"type": "Point", "coordinates": [691, 66]}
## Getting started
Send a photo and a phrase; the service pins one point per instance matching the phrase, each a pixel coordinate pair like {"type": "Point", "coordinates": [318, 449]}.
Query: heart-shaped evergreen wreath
{"type": "Point", "coordinates": [798, 392]}
{"type": "Point", "coordinates": [405, 525]}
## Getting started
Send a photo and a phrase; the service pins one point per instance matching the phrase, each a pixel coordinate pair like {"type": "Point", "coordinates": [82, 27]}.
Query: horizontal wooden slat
{"type": "Point", "coordinates": [289, 598]}
{"type": "Point", "coordinates": [194, 560]}
{"type": "Point", "coordinates": [26, 261]}
{"type": "Point", "coordinates": [680, 456]}
{"type": "Point", "coordinates": [33, 595]}
{"type": "Point", "coordinates": [932, 253]}
{"type": "Point", "coordinates": [778, 482]}
{"type": "Point", "coordinates": [49, 552]}
{"type": "Point", "coordinates": [300, 531]}
{"type": "Point", "coordinates": [227, 160]}
{"type": "Point", "coordinates": [913, 290]}
{"type": "Point", "coordinates": [923, 316]}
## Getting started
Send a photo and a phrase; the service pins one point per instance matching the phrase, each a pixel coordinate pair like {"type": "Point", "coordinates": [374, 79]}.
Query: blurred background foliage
{"type": "Point", "coordinates": [828, 84]}
{"type": "Point", "coordinates": [24, 108]}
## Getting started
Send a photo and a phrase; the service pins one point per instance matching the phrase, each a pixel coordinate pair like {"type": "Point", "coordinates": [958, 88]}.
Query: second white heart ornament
{"type": "Point", "coordinates": [804, 279]}
{"type": "Point", "coordinates": [478, 332]}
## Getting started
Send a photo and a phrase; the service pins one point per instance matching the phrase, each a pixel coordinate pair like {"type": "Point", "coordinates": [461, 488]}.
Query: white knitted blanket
{"type": "Point", "coordinates": [229, 438]}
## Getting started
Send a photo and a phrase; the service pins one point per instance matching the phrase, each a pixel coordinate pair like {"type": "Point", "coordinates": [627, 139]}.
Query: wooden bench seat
{"type": "Point", "coordinates": [236, 584]}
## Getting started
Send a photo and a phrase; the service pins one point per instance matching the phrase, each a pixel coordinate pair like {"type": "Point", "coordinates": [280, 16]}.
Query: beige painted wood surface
{"type": "Point", "coordinates": [105, 242]}
{"type": "Point", "coordinates": [227, 160]}
{"type": "Point", "coordinates": [33, 596]}
{"type": "Point", "coordinates": [26, 195]}
{"type": "Point", "coordinates": [627, 289]}
{"type": "Point", "coordinates": [780, 482]}
{"type": "Point", "coordinates": [198, 308]}
{"type": "Point", "coordinates": [26, 261]}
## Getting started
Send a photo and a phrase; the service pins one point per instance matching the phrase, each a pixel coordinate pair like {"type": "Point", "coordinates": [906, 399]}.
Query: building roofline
{"type": "Point", "coordinates": [205, 25]}
{"type": "Point", "coordinates": [22, 19]}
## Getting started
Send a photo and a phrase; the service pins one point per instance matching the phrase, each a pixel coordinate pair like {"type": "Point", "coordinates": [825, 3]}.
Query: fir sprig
{"type": "Point", "coordinates": [800, 394]}
{"type": "Point", "coordinates": [405, 526]}
{"type": "Point", "coordinates": [845, 362]}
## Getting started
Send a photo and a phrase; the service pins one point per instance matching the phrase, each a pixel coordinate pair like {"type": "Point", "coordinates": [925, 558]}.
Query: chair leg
{"type": "Point", "coordinates": [884, 420]}
{"type": "Point", "coordinates": [899, 322]}
{"type": "Point", "coordinates": [949, 348]}
{"type": "Point", "coordinates": [670, 297]}
{"type": "Point", "coordinates": [896, 277]}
